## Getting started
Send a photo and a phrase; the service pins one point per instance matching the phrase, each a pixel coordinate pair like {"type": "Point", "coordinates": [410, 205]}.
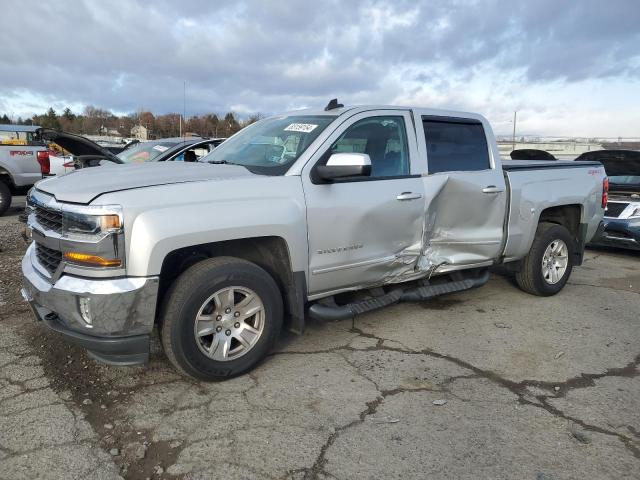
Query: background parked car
{"type": "Point", "coordinates": [89, 154]}
{"type": "Point", "coordinates": [178, 149]}
{"type": "Point", "coordinates": [622, 215]}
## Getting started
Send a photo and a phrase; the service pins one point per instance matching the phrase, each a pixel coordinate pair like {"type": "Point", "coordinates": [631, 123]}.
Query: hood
{"type": "Point", "coordinates": [77, 145]}
{"type": "Point", "coordinates": [83, 186]}
{"type": "Point", "coordinates": [616, 163]}
{"type": "Point", "coordinates": [531, 154]}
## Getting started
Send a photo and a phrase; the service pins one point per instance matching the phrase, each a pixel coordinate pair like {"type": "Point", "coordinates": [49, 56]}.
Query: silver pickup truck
{"type": "Point", "coordinates": [24, 160]}
{"type": "Point", "coordinates": [290, 218]}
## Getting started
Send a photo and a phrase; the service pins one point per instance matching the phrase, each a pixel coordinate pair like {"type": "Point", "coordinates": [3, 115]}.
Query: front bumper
{"type": "Point", "coordinates": [111, 318]}
{"type": "Point", "coordinates": [621, 233]}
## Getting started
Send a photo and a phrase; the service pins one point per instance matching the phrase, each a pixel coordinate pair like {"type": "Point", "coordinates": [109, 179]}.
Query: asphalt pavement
{"type": "Point", "coordinates": [490, 383]}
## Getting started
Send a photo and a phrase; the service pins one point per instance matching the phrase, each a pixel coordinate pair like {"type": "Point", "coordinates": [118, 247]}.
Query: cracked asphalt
{"type": "Point", "coordinates": [490, 383]}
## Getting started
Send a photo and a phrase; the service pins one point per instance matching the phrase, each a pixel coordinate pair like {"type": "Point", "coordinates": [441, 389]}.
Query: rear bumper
{"type": "Point", "coordinates": [621, 233]}
{"type": "Point", "coordinates": [111, 318]}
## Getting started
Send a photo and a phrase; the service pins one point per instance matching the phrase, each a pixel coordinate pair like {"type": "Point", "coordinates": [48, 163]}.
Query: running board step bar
{"type": "Point", "coordinates": [333, 312]}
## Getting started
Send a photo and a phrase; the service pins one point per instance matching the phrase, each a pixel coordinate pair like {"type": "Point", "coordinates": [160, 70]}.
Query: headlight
{"type": "Point", "coordinates": [91, 223]}
{"type": "Point", "coordinates": [88, 228]}
{"type": "Point", "coordinates": [635, 213]}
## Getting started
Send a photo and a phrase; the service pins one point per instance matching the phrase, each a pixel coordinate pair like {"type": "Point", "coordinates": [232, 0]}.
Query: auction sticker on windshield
{"type": "Point", "coordinates": [161, 148]}
{"type": "Point", "coordinates": [301, 127]}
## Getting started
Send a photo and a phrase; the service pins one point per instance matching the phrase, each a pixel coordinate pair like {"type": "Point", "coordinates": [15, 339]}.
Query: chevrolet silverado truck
{"type": "Point", "coordinates": [324, 214]}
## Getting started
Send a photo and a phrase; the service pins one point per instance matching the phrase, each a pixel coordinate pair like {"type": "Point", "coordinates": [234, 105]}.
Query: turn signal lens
{"type": "Point", "coordinates": [605, 192]}
{"type": "Point", "coordinates": [91, 260]}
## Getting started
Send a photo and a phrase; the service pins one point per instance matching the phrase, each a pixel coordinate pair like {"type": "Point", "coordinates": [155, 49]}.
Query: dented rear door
{"type": "Point", "coordinates": [466, 195]}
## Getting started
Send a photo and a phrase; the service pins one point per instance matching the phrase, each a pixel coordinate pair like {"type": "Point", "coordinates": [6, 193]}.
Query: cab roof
{"type": "Point", "coordinates": [354, 109]}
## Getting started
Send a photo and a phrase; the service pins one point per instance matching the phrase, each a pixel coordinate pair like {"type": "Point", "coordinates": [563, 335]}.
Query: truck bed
{"type": "Point", "coordinates": [510, 165]}
{"type": "Point", "coordinates": [536, 185]}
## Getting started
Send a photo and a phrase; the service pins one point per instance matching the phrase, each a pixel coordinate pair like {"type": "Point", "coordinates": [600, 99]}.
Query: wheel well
{"type": "Point", "coordinates": [6, 178]}
{"type": "Point", "coordinates": [270, 253]}
{"type": "Point", "coordinates": [567, 215]}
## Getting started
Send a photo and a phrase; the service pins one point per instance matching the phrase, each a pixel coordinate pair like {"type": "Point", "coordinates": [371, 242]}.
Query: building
{"type": "Point", "coordinates": [109, 132]}
{"type": "Point", "coordinates": [140, 132]}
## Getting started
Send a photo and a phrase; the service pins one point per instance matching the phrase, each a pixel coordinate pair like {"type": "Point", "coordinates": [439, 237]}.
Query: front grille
{"type": "Point", "coordinates": [614, 209]}
{"type": "Point", "coordinates": [48, 218]}
{"type": "Point", "coordinates": [48, 258]}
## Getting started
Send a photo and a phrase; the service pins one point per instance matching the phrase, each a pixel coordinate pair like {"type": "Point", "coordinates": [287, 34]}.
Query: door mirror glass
{"type": "Point", "coordinates": [342, 165]}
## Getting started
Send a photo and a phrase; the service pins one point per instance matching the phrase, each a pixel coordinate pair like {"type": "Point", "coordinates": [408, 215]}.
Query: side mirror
{"type": "Point", "coordinates": [342, 165]}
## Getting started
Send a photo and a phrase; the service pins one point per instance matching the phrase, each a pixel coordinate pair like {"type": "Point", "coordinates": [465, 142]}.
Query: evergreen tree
{"type": "Point", "coordinates": [50, 119]}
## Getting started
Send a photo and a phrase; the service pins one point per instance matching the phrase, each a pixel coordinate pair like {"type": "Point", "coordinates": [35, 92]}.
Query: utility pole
{"type": "Point", "coordinates": [513, 138]}
{"type": "Point", "coordinates": [184, 103]}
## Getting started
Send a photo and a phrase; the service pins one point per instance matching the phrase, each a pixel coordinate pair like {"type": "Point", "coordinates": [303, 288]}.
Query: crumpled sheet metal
{"type": "Point", "coordinates": [420, 259]}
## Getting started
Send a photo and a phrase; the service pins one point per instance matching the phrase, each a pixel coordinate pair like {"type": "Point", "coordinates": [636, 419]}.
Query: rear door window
{"type": "Point", "coordinates": [455, 145]}
{"type": "Point", "coordinates": [17, 138]}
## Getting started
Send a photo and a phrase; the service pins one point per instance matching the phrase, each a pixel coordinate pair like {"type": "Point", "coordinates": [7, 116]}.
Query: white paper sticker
{"type": "Point", "coordinates": [301, 127]}
{"type": "Point", "coordinates": [161, 148]}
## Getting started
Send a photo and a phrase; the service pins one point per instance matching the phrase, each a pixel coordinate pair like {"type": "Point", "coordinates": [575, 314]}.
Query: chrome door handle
{"type": "Point", "coordinates": [492, 189]}
{"type": "Point", "coordinates": [404, 196]}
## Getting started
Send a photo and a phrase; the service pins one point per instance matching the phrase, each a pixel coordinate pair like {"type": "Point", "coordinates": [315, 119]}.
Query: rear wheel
{"type": "Point", "coordinates": [220, 318]}
{"type": "Point", "coordinates": [547, 267]}
{"type": "Point", "coordinates": [5, 197]}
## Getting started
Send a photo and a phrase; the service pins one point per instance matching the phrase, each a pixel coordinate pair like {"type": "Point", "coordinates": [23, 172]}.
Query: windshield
{"type": "Point", "coordinates": [625, 180]}
{"type": "Point", "coordinates": [272, 145]}
{"type": "Point", "coordinates": [145, 152]}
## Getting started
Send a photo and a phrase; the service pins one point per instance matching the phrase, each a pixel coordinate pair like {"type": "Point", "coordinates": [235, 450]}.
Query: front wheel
{"type": "Point", "coordinates": [5, 197]}
{"type": "Point", "coordinates": [220, 318]}
{"type": "Point", "coordinates": [547, 267]}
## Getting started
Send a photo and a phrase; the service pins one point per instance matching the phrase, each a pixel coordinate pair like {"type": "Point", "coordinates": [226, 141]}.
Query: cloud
{"type": "Point", "coordinates": [271, 56]}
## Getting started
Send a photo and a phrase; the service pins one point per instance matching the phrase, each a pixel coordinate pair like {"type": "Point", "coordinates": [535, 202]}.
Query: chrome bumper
{"type": "Point", "coordinates": [101, 314]}
{"type": "Point", "coordinates": [621, 233]}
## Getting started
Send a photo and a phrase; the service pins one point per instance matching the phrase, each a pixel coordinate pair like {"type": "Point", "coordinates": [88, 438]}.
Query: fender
{"type": "Point", "coordinates": [171, 217]}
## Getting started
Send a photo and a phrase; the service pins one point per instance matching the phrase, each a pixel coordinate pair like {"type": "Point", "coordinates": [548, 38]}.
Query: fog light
{"type": "Point", "coordinates": [85, 311]}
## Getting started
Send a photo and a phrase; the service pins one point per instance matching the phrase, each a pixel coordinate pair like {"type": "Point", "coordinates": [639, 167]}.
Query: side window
{"type": "Point", "coordinates": [384, 139]}
{"type": "Point", "coordinates": [193, 154]}
{"type": "Point", "coordinates": [454, 146]}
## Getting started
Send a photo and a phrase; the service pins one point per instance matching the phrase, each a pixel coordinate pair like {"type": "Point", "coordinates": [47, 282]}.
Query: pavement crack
{"type": "Point", "coordinates": [585, 380]}
{"type": "Point", "coordinates": [318, 466]}
{"type": "Point", "coordinates": [520, 388]}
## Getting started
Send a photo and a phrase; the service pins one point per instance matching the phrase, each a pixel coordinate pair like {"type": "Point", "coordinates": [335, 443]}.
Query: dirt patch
{"type": "Point", "coordinates": [78, 378]}
{"type": "Point", "coordinates": [12, 248]}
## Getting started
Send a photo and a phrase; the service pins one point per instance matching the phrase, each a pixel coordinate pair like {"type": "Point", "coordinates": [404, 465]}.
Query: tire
{"type": "Point", "coordinates": [192, 295]}
{"type": "Point", "coordinates": [531, 278]}
{"type": "Point", "coordinates": [5, 197]}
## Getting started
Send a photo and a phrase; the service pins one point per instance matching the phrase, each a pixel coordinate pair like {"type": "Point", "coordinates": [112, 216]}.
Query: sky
{"type": "Point", "coordinates": [568, 67]}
